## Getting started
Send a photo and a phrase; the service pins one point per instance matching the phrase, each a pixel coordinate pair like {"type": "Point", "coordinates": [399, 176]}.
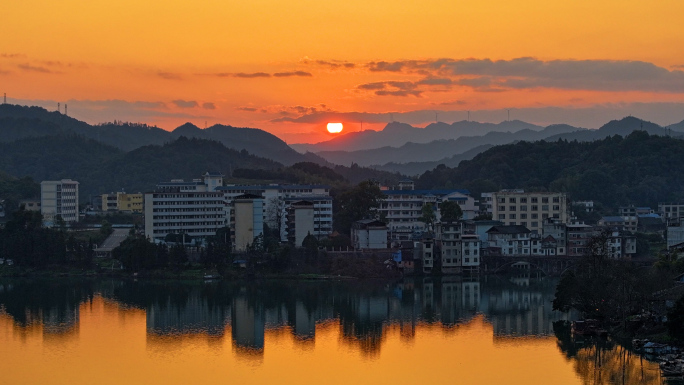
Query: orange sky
{"type": "Point", "coordinates": [255, 63]}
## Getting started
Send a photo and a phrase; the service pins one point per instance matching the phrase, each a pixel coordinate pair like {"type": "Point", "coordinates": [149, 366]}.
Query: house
{"type": "Point", "coordinates": [509, 240]}
{"type": "Point", "coordinates": [451, 250]}
{"type": "Point", "coordinates": [369, 234]}
{"type": "Point", "coordinates": [578, 235]}
{"type": "Point", "coordinates": [625, 223]}
{"type": "Point", "coordinates": [120, 201]}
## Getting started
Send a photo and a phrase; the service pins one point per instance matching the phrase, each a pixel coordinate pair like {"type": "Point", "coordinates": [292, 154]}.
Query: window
{"type": "Point", "coordinates": [523, 200]}
{"type": "Point", "coordinates": [512, 216]}
{"type": "Point", "coordinates": [511, 208]}
{"type": "Point", "coordinates": [523, 224]}
{"type": "Point", "coordinates": [501, 200]}
{"type": "Point", "coordinates": [535, 208]}
{"type": "Point", "coordinates": [535, 216]}
{"type": "Point", "coordinates": [545, 200]}
{"type": "Point", "coordinates": [544, 216]}
{"type": "Point", "coordinates": [556, 207]}
{"type": "Point", "coordinates": [556, 200]}
{"type": "Point", "coordinates": [534, 200]}
{"type": "Point", "coordinates": [502, 216]}
{"type": "Point", "coordinates": [523, 208]}
{"type": "Point", "coordinates": [545, 207]}
{"type": "Point", "coordinates": [511, 200]}
{"type": "Point", "coordinates": [535, 224]}
{"type": "Point", "coordinates": [523, 216]}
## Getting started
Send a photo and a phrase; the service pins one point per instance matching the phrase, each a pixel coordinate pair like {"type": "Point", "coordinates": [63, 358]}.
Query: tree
{"type": "Point", "coordinates": [428, 216]}
{"type": "Point", "coordinates": [675, 320]}
{"type": "Point", "coordinates": [361, 202]}
{"type": "Point", "coordinates": [450, 211]}
{"type": "Point", "coordinates": [275, 214]}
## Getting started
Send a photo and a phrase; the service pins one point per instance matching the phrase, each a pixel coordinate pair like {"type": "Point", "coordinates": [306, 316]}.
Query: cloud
{"type": "Point", "coordinates": [330, 64]}
{"type": "Point", "coordinates": [247, 75]}
{"type": "Point", "coordinates": [185, 103]}
{"type": "Point", "coordinates": [12, 55]}
{"type": "Point", "coordinates": [31, 68]}
{"type": "Point", "coordinates": [208, 106]}
{"type": "Point", "coordinates": [169, 75]}
{"type": "Point", "coordinates": [293, 73]}
{"type": "Point", "coordinates": [392, 88]}
{"type": "Point", "coordinates": [248, 109]}
{"type": "Point", "coordinates": [528, 72]}
{"type": "Point", "coordinates": [435, 81]}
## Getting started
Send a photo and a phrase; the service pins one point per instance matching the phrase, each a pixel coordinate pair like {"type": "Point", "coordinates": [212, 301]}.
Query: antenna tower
{"type": "Point", "coordinates": [59, 109]}
{"type": "Point", "coordinates": [509, 114]}
{"type": "Point", "coordinates": [65, 109]}
{"type": "Point", "coordinates": [4, 99]}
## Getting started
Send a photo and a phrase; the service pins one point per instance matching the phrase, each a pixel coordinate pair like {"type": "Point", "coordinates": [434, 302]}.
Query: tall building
{"type": "Point", "coordinates": [529, 209]}
{"type": "Point", "coordinates": [277, 199]}
{"type": "Point", "coordinates": [185, 207]}
{"type": "Point", "coordinates": [403, 207]}
{"type": "Point", "coordinates": [300, 221]}
{"type": "Point", "coordinates": [59, 198]}
{"type": "Point", "coordinates": [246, 220]}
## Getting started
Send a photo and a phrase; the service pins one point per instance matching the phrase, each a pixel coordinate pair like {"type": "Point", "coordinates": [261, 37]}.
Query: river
{"type": "Point", "coordinates": [488, 330]}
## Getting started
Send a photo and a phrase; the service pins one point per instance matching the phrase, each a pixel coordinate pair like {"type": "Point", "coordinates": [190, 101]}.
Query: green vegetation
{"type": "Point", "coordinates": [360, 202]}
{"type": "Point", "coordinates": [450, 211]}
{"type": "Point", "coordinates": [639, 169]}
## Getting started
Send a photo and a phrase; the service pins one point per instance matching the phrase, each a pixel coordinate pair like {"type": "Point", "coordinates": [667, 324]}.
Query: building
{"type": "Point", "coordinates": [578, 235]}
{"type": "Point", "coordinates": [529, 209]}
{"type": "Point", "coordinates": [120, 201]}
{"type": "Point", "coordinates": [246, 220]}
{"type": "Point", "coordinates": [671, 211]}
{"type": "Point", "coordinates": [621, 223]}
{"type": "Point", "coordinates": [631, 211]}
{"type": "Point", "coordinates": [59, 199]}
{"type": "Point", "coordinates": [509, 240]}
{"type": "Point", "coordinates": [30, 204]}
{"type": "Point", "coordinates": [403, 207]}
{"type": "Point", "coordinates": [586, 206]}
{"type": "Point", "coordinates": [277, 198]}
{"type": "Point", "coordinates": [451, 246]}
{"type": "Point", "coordinates": [185, 207]}
{"type": "Point", "coordinates": [369, 234]}
{"type": "Point", "coordinates": [486, 203]}
{"type": "Point", "coordinates": [620, 245]}
{"type": "Point", "coordinates": [470, 251]}
{"type": "Point", "coordinates": [300, 221]}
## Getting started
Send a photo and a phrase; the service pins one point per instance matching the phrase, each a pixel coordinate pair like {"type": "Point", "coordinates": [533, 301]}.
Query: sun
{"type": "Point", "coordinates": [334, 128]}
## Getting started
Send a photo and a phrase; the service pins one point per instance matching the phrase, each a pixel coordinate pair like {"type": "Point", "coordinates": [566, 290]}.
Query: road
{"type": "Point", "coordinates": [114, 239]}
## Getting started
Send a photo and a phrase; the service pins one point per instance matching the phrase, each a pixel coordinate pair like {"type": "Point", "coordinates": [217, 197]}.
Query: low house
{"type": "Point", "coordinates": [369, 234]}
{"type": "Point", "coordinates": [509, 240]}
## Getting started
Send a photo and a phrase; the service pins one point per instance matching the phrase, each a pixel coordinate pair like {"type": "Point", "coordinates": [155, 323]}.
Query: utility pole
{"type": "Point", "coordinates": [65, 109]}
{"type": "Point", "coordinates": [4, 99]}
{"type": "Point", "coordinates": [59, 109]}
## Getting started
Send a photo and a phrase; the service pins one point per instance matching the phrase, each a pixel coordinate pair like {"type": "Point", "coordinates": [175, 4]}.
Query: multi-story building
{"type": "Point", "coordinates": [578, 235]}
{"type": "Point", "coordinates": [631, 211]}
{"type": "Point", "coordinates": [671, 211]}
{"type": "Point", "coordinates": [403, 207]}
{"type": "Point", "coordinates": [451, 246]}
{"type": "Point", "coordinates": [509, 240]}
{"type": "Point", "coordinates": [59, 198]}
{"type": "Point", "coordinates": [246, 220]}
{"type": "Point", "coordinates": [30, 204]}
{"type": "Point", "coordinates": [529, 209]}
{"type": "Point", "coordinates": [186, 207]}
{"type": "Point", "coordinates": [586, 206]}
{"type": "Point", "coordinates": [300, 221]}
{"type": "Point", "coordinates": [620, 245]}
{"type": "Point", "coordinates": [626, 223]}
{"type": "Point", "coordinates": [470, 244]}
{"type": "Point", "coordinates": [277, 198]}
{"type": "Point", "coordinates": [369, 234]}
{"type": "Point", "coordinates": [486, 203]}
{"type": "Point", "coordinates": [120, 201]}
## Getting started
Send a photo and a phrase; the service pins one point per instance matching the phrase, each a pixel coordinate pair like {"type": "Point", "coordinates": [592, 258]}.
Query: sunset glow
{"type": "Point", "coordinates": [289, 68]}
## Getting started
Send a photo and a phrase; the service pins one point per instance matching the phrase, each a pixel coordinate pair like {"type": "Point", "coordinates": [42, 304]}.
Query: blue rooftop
{"type": "Point", "coordinates": [277, 187]}
{"type": "Point", "coordinates": [612, 219]}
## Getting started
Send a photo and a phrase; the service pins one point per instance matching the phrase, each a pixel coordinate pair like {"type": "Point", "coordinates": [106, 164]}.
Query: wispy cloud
{"type": "Point", "coordinates": [169, 75]}
{"type": "Point", "coordinates": [208, 106]}
{"type": "Point", "coordinates": [293, 73]}
{"type": "Point", "coordinates": [33, 68]}
{"type": "Point", "coordinates": [12, 55]}
{"type": "Point", "coordinates": [185, 103]}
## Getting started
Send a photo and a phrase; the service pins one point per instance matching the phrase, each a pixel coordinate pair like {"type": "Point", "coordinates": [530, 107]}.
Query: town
{"type": "Point", "coordinates": [444, 231]}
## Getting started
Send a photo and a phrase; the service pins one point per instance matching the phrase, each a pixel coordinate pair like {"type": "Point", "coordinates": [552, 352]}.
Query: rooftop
{"type": "Point", "coordinates": [511, 229]}
{"type": "Point", "coordinates": [425, 192]}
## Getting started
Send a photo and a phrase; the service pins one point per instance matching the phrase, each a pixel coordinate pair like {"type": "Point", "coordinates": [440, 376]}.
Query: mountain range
{"type": "Point", "coordinates": [17, 122]}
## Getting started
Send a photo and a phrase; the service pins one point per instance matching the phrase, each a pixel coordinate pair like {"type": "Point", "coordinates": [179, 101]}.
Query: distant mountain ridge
{"type": "Point", "coordinates": [397, 134]}
{"type": "Point", "coordinates": [18, 122]}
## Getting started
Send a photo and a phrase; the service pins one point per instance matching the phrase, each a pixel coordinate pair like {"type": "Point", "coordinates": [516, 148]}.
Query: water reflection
{"type": "Point", "coordinates": [367, 318]}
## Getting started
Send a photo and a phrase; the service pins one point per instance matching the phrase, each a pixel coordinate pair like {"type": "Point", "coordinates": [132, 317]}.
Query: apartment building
{"type": "Point", "coordinates": [459, 247]}
{"type": "Point", "coordinates": [279, 197]}
{"type": "Point", "coordinates": [246, 220]}
{"type": "Point", "coordinates": [671, 211]}
{"type": "Point", "coordinates": [59, 198]}
{"type": "Point", "coordinates": [509, 240]}
{"type": "Point", "coordinates": [369, 234]}
{"type": "Point", "coordinates": [626, 223]}
{"type": "Point", "coordinates": [529, 209]}
{"type": "Point", "coordinates": [194, 208]}
{"type": "Point", "coordinates": [402, 208]}
{"type": "Point", "coordinates": [300, 221]}
{"type": "Point", "coordinates": [120, 201]}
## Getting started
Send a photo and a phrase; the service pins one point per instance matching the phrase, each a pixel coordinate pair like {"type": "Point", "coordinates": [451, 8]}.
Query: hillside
{"type": "Point", "coordinates": [639, 169]}
{"type": "Point", "coordinates": [439, 149]}
{"type": "Point", "coordinates": [396, 134]}
{"type": "Point", "coordinates": [19, 122]}
{"type": "Point", "coordinates": [101, 168]}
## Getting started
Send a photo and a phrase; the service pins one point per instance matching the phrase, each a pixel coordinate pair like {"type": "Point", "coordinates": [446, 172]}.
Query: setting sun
{"type": "Point", "coordinates": [334, 128]}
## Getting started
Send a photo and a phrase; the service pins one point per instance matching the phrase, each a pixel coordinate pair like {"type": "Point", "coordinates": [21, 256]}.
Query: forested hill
{"type": "Point", "coordinates": [639, 169]}
{"type": "Point", "coordinates": [100, 168]}
{"type": "Point", "coordinates": [19, 122]}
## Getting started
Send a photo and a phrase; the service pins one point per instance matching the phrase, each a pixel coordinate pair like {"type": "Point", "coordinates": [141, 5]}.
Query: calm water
{"type": "Point", "coordinates": [488, 331]}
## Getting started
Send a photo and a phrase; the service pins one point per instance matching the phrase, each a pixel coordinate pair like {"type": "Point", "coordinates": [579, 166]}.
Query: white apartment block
{"type": "Point", "coordinates": [402, 208]}
{"type": "Point", "coordinates": [369, 234]}
{"type": "Point", "coordinates": [459, 251]}
{"type": "Point", "coordinates": [529, 209]}
{"type": "Point", "coordinates": [193, 208]}
{"type": "Point", "coordinates": [59, 198]}
{"type": "Point", "coordinates": [509, 240]}
{"type": "Point", "coordinates": [280, 197]}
